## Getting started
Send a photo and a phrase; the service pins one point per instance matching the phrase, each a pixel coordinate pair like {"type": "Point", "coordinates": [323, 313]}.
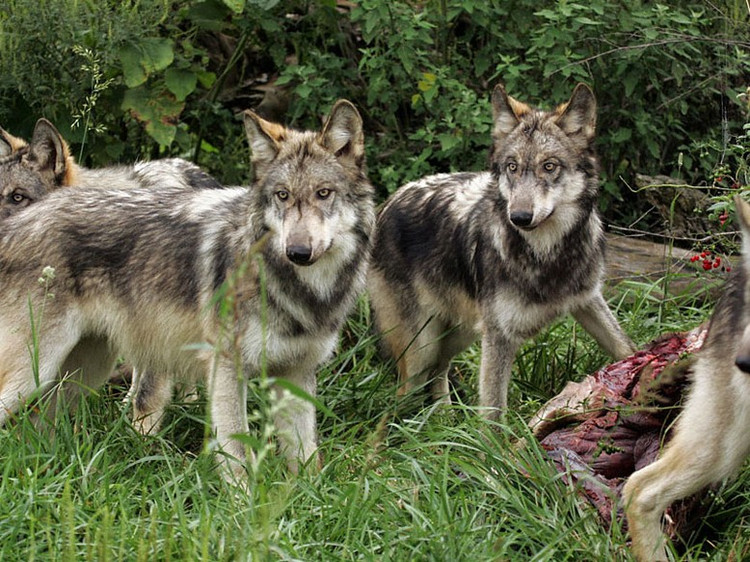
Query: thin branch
{"type": "Point", "coordinates": [677, 39]}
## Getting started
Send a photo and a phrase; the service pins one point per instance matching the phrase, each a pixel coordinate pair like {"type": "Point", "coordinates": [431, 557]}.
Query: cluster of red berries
{"type": "Point", "coordinates": [709, 262]}
{"type": "Point", "coordinates": [733, 185]}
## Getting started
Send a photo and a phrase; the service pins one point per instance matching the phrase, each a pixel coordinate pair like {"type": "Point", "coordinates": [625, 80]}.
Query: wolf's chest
{"type": "Point", "coordinates": [267, 347]}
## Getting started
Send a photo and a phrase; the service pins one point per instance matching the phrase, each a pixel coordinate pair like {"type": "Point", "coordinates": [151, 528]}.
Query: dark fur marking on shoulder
{"type": "Point", "coordinates": [87, 253]}
{"type": "Point", "coordinates": [198, 179]}
{"type": "Point", "coordinates": [113, 254]}
{"type": "Point", "coordinates": [425, 237]}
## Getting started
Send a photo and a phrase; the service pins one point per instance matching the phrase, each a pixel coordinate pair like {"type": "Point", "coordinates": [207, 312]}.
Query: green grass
{"type": "Point", "coordinates": [428, 484]}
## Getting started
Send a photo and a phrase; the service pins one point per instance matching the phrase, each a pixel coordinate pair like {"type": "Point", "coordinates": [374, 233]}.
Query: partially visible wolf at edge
{"type": "Point", "coordinates": [30, 171]}
{"type": "Point", "coordinates": [710, 440]}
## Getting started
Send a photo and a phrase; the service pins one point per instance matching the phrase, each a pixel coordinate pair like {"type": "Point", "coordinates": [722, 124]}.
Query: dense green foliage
{"type": "Point", "coordinates": [157, 77]}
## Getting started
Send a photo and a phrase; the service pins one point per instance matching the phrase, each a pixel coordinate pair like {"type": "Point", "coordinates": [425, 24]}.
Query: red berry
{"type": "Point", "coordinates": [707, 265]}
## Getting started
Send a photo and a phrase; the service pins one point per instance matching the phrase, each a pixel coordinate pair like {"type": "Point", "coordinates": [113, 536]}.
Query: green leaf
{"type": "Point", "coordinates": [303, 91]}
{"type": "Point", "coordinates": [143, 58]}
{"type": "Point", "coordinates": [237, 6]}
{"type": "Point", "coordinates": [206, 78]}
{"type": "Point", "coordinates": [132, 71]}
{"type": "Point", "coordinates": [427, 82]}
{"type": "Point", "coordinates": [621, 135]}
{"type": "Point", "coordinates": [268, 4]}
{"type": "Point", "coordinates": [630, 81]}
{"type": "Point", "coordinates": [156, 53]}
{"type": "Point", "coordinates": [158, 111]}
{"type": "Point", "coordinates": [180, 82]}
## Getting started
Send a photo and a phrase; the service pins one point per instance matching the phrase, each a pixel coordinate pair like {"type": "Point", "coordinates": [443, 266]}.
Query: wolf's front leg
{"type": "Point", "coordinates": [295, 418]}
{"type": "Point", "coordinates": [646, 495]}
{"type": "Point", "coordinates": [498, 352]}
{"type": "Point", "coordinates": [597, 319]}
{"type": "Point", "coordinates": [227, 395]}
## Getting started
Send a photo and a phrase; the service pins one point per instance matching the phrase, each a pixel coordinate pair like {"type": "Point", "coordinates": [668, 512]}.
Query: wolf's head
{"type": "Point", "coordinates": [742, 274]}
{"type": "Point", "coordinates": [29, 171]}
{"type": "Point", "coordinates": [543, 161]}
{"type": "Point", "coordinates": [310, 184]}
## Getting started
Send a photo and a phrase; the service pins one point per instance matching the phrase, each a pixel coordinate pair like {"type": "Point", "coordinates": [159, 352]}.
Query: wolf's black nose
{"type": "Point", "coordinates": [299, 254]}
{"type": "Point", "coordinates": [743, 363]}
{"type": "Point", "coordinates": [521, 218]}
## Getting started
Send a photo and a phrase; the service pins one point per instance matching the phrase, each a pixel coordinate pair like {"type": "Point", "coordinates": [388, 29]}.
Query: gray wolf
{"type": "Point", "coordinates": [30, 171]}
{"type": "Point", "coordinates": [710, 439]}
{"type": "Point", "coordinates": [137, 269]}
{"type": "Point", "coordinates": [496, 254]}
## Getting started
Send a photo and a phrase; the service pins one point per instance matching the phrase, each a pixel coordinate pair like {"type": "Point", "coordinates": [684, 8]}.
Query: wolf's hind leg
{"type": "Point", "coordinates": [86, 368]}
{"type": "Point", "coordinates": [152, 393]}
{"type": "Point", "coordinates": [420, 359]}
{"type": "Point", "coordinates": [24, 372]}
{"type": "Point", "coordinates": [450, 344]}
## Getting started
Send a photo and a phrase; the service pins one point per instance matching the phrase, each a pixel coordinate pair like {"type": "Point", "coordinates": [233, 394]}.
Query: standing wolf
{"type": "Point", "coordinates": [710, 439]}
{"type": "Point", "coordinates": [499, 254]}
{"type": "Point", "coordinates": [30, 171]}
{"type": "Point", "coordinates": [139, 269]}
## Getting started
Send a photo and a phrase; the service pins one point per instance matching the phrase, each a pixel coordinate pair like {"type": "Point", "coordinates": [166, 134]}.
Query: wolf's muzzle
{"type": "Point", "coordinates": [521, 219]}
{"type": "Point", "coordinates": [743, 363]}
{"type": "Point", "coordinates": [299, 255]}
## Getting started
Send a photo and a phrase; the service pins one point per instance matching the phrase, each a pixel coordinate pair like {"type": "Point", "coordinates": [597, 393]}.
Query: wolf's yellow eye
{"type": "Point", "coordinates": [17, 198]}
{"type": "Point", "coordinates": [549, 167]}
{"type": "Point", "coordinates": [512, 167]}
{"type": "Point", "coordinates": [323, 193]}
{"type": "Point", "coordinates": [282, 195]}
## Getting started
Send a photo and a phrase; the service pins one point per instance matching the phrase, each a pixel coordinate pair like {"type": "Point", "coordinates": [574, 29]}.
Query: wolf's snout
{"type": "Point", "coordinates": [521, 218]}
{"type": "Point", "coordinates": [743, 363]}
{"type": "Point", "coordinates": [299, 254]}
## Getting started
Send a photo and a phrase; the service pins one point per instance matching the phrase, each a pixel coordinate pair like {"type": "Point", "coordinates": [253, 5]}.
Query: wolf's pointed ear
{"type": "Point", "coordinates": [49, 153]}
{"type": "Point", "coordinates": [342, 134]}
{"type": "Point", "coordinates": [506, 113]}
{"type": "Point", "coordinates": [6, 149]}
{"type": "Point", "coordinates": [577, 117]}
{"type": "Point", "coordinates": [743, 216]}
{"type": "Point", "coordinates": [264, 138]}
{"type": "Point", "coordinates": [9, 144]}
